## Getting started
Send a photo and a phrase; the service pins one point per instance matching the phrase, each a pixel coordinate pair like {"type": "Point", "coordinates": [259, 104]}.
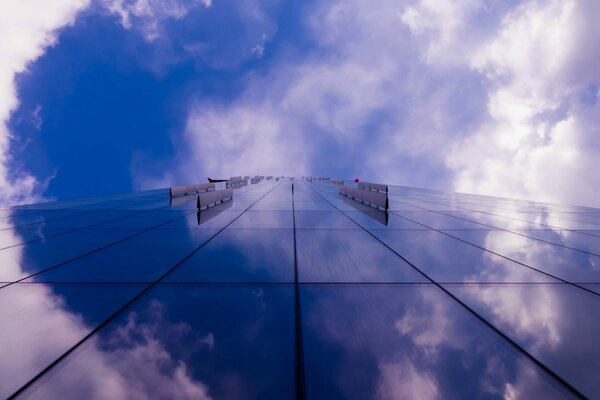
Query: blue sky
{"type": "Point", "coordinates": [494, 97]}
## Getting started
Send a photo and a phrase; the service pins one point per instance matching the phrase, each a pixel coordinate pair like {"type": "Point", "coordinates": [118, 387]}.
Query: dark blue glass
{"type": "Point", "coordinates": [13, 237]}
{"type": "Point", "coordinates": [18, 218]}
{"type": "Point", "coordinates": [143, 258]}
{"type": "Point", "coordinates": [96, 218]}
{"type": "Point", "coordinates": [405, 342]}
{"type": "Point", "coordinates": [207, 219]}
{"type": "Point", "coordinates": [556, 323]}
{"type": "Point", "coordinates": [147, 219]}
{"type": "Point", "coordinates": [187, 341]}
{"type": "Point", "coordinates": [241, 255]}
{"type": "Point", "coordinates": [349, 256]}
{"type": "Point", "coordinates": [21, 261]}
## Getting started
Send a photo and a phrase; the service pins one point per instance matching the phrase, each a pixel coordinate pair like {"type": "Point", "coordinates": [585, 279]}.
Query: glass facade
{"type": "Point", "coordinates": [300, 293]}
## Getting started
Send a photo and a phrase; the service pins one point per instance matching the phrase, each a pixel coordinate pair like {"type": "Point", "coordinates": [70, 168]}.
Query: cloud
{"type": "Point", "coordinates": [494, 98]}
{"type": "Point", "coordinates": [360, 93]}
{"type": "Point", "coordinates": [497, 98]}
{"type": "Point", "coordinates": [402, 379]}
{"type": "Point", "coordinates": [148, 15]}
{"type": "Point", "coordinates": [541, 136]}
{"type": "Point", "coordinates": [27, 27]}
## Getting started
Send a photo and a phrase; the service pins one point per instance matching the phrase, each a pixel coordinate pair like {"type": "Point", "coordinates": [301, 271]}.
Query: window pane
{"type": "Point", "coordinates": [241, 255]}
{"type": "Point", "coordinates": [187, 341]}
{"type": "Point", "coordinates": [349, 256]}
{"type": "Point", "coordinates": [408, 341]}
{"type": "Point", "coordinates": [40, 322]}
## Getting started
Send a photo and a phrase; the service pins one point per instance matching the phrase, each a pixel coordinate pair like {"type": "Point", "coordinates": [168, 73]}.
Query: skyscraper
{"type": "Point", "coordinates": [292, 290]}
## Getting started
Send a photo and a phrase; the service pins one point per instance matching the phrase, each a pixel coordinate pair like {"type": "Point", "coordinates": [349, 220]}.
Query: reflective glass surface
{"type": "Point", "coordinates": [299, 294]}
{"type": "Point", "coordinates": [20, 261]}
{"type": "Point", "coordinates": [574, 239]}
{"type": "Point", "coordinates": [211, 218]}
{"type": "Point", "coordinates": [41, 322]}
{"type": "Point", "coordinates": [559, 261]}
{"type": "Point", "coordinates": [187, 341]}
{"type": "Point", "coordinates": [439, 221]}
{"type": "Point", "coordinates": [323, 220]}
{"type": "Point", "coordinates": [349, 256]}
{"type": "Point", "coordinates": [374, 219]}
{"type": "Point", "coordinates": [556, 323]}
{"type": "Point", "coordinates": [446, 259]}
{"type": "Point", "coordinates": [264, 220]}
{"type": "Point", "coordinates": [143, 258]}
{"type": "Point", "coordinates": [408, 341]}
{"type": "Point", "coordinates": [241, 255]}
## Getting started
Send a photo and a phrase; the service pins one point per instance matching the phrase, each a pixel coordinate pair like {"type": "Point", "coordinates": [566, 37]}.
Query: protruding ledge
{"type": "Point", "coordinates": [376, 187]}
{"type": "Point", "coordinates": [211, 199]}
{"type": "Point", "coordinates": [378, 200]}
{"type": "Point", "coordinates": [187, 190]}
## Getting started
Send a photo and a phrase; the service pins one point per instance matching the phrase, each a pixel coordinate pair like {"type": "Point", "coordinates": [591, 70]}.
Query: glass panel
{"type": "Point", "coordinates": [408, 341]}
{"type": "Point", "coordinates": [238, 203]}
{"type": "Point", "coordinates": [207, 219]}
{"type": "Point", "coordinates": [349, 256]}
{"type": "Point", "coordinates": [495, 221]}
{"type": "Point", "coordinates": [594, 287]}
{"type": "Point", "coordinates": [373, 219]}
{"type": "Point", "coordinates": [241, 255]}
{"type": "Point", "coordinates": [13, 237]}
{"type": "Point", "coordinates": [187, 341]}
{"type": "Point", "coordinates": [40, 322]}
{"type": "Point", "coordinates": [21, 261]}
{"type": "Point", "coordinates": [318, 205]}
{"type": "Point", "coordinates": [439, 221]}
{"type": "Point", "coordinates": [446, 259]}
{"type": "Point", "coordinates": [19, 217]}
{"type": "Point", "coordinates": [551, 321]}
{"type": "Point", "coordinates": [272, 205]}
{"type": "Point", "coordinates": [323, 220]}
{"type": "Point", "coordinates": [573, 239]}
{"type": "Point", "coordinates": [562, 262]}
{"type": "Point", "coordinates": [400, 206]}
{"type": "Point", "coordinates": [147, 219]}
{"type": "Point", "coordinates": [89, 218]}
{"type": "Point", "coordinates": [264, 220]}
{"type": "Point", "coordinates": [144, 258]}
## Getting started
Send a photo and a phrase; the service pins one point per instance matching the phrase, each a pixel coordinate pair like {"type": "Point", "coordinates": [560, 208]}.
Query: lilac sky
{"type": "Point", "coordinates": [490, 97]}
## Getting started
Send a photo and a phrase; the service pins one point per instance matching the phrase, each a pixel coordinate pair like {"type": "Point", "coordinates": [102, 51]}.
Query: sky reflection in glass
{"type": "Point", "coordinates": [275, 293]}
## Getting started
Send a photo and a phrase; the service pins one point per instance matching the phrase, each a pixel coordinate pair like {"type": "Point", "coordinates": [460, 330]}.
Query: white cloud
{"type": "Point", "coordinates": [542, 138]}
{"type": "Point", "coordinates": [484, 97]}
{"type": "Point", "coordinates": [404, 380]}
{"type": "Point", "coordinates": [364, 93]}
{"type": "Point", "coordinates": [27, 28]}
{"type": "Point", "coordinates": [147, 15]}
